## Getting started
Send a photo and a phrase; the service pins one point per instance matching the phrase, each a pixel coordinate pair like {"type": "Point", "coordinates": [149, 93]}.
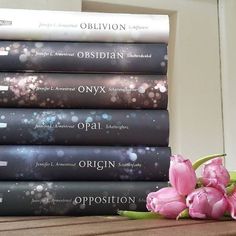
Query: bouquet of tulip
{"type": "Point", "coordinates": [211, 196]}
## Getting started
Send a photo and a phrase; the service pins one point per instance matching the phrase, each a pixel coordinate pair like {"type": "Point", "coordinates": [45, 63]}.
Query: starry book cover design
{"type": "Point", "coordinates": [50, 90]}
{"type": "Point", "coordinates": [44, 25]}
{"type": "Point", "coordinates": [73, 198]}
{"type": "Point", "coordinates": [84, 127]}
{"type": "Point", "coordinates": [83, 57]}
{"type": "Point", "coordinates": [84, 163]}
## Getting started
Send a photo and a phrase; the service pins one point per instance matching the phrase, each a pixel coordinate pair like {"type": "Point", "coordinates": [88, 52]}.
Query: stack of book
{"type": "Point", "coordinates": [84, 124]}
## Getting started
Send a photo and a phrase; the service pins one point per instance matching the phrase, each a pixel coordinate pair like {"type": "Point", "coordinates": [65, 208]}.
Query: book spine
{"type": "Point", "coordinates": [84, 163]}
{"type": "Point", "coordinates": [74, 198]}
{"type": "Point", "coordinates": [84, 127]}
{"type": "Point", "coordinates": [83, 57]}
{"type": "Point", "coordinates": [48, 90]}
{"type": "Point", "coordinates": [82, 26]}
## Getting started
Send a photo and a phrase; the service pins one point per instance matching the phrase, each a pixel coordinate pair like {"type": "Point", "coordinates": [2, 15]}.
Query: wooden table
{"type": "Point", "coordinates": [111, 225]}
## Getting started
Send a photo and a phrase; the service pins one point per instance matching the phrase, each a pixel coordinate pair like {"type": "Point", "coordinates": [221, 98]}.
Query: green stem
{"type": "Point", "coordinates": [232, 176]}
{"type": "Point", "coordinates": [204, 159]}
{"type": "Point", "coordinates": [135, 215]}
{"type": "Point", "coordinates": [183, 214]}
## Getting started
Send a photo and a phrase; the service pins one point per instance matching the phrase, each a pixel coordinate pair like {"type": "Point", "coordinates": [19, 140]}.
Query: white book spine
{"type": "Point", "coordinates": [18, 24]}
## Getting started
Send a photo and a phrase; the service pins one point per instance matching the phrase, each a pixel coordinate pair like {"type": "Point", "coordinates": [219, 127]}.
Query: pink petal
{"type": "Point", "coordinates": [232, 207]}
{"type": "Point", "coordinates": [171, 210]}
{"type": "Point", "coordinates": [197, 215]}
{"type": "Point", "coordinates": [219, 209]}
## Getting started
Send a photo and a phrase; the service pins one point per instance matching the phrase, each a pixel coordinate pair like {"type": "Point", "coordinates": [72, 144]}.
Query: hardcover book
{"type": "Point", "coordinates": [83, 57]}
{"type": "Point", "coordinates": [84, 127]}
{"type": "Point", "coordinates": [74, 198]}
{"type": "Point", "coordinates": [82, 26]}
{"type": "Point", "coordinates": [49, 90]}
{"type": "Point", "coordinates": [84, 163]}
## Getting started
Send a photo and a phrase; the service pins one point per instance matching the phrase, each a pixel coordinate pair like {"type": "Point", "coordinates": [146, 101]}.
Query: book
{"type": "Point", "coordinates": [84, 127]}
{"type": "Point", "coordinates": [82, 26]}
{"type": "Point", "coordinates": [73, 198]}
{"type": "Point", "coordinates": [84, 163]}
{"type": "Point", "coordinates": [83, 57]}
{"type": "Point", "coordinates": [49, 90]}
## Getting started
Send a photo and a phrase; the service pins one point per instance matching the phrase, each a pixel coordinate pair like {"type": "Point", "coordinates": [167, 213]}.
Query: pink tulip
{"type": "Point", "coordinates": [207, 202]}
{"type": "Point", "coordinates": [166, 202]}
{"type": "Point", "coordinates": [182, 175]}
{"type": "Point", "coordinates": [215, 174]}
{"type": "Point", "coordinates": [232, 204]}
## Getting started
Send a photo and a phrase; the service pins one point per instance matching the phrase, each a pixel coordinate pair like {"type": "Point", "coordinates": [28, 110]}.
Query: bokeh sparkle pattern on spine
{"type": "Point", "coordinates": [84, 57]}
{"type": "Point", "coordinates": [83, 91]}
{"type": "Point", "coordinates": [84, 127]}
{"type": "Point", "coordinates": [84, 163]}
{"type": "Point", "coordinates": [74, 198]}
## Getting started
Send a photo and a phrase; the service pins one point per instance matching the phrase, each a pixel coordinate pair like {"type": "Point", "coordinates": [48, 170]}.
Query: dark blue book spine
{"type": "Point", "coordinates": [84, 163]}
{"type": "Point", "coordinates": [106, 91]}
{"type": "Point", "coordinates": [83, 57]}
{"type": "Point", "coordinates": [74, 198]}
{"type": "Point", "coordinates": [84, 127]}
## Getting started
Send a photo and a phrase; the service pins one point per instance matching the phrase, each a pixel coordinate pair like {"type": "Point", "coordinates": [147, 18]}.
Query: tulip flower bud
{"type": "Point", "coordinates": [215, 174]}
{"type": "Point", "coordinates": [167, 202]}
{"type": "Point", "coordinates": [207, 202]}
{"type": "Point", "coordinates": [182, 175]}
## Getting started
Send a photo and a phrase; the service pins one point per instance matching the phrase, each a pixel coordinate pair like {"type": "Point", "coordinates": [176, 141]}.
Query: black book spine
{"type": "Point", "coordinates": [84, 163]}
{"type": "Point", "coordinates": [83, 57]}
{"type": "Point", "coordinates": [49, 90]}
{"type": "Point", "coordinates": [74, 198]}
{"type": "Point", "coordinates": [84, 127]}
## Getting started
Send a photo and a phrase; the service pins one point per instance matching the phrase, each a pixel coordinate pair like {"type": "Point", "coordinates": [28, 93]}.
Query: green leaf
{"type": "Point", "coordinates": [230, 189]}
{"type": "Point", "coordinates": [199, 182]}
{"type": "Point", "coordinates": [227, 214]}
{"type": "Point", "coordinates": [232, 176]}
{"type": "Point", "coordinates": [183, 214]}
{"type": "Point", "coordinates": [136, 215]}
{"type": "Point", "coordinates": [204, 159]}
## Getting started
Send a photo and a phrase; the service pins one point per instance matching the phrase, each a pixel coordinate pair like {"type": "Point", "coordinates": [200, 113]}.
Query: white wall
{"type": "Point", "coordinates": [65, 5]}
{"type": "Point", "coordinates": [227, 16]}
{"type": "Point", "coordinates": [194, 70]}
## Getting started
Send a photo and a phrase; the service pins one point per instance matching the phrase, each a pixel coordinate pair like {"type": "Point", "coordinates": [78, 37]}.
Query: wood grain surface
{"type": "Point", "coordinates": [111, 225]}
